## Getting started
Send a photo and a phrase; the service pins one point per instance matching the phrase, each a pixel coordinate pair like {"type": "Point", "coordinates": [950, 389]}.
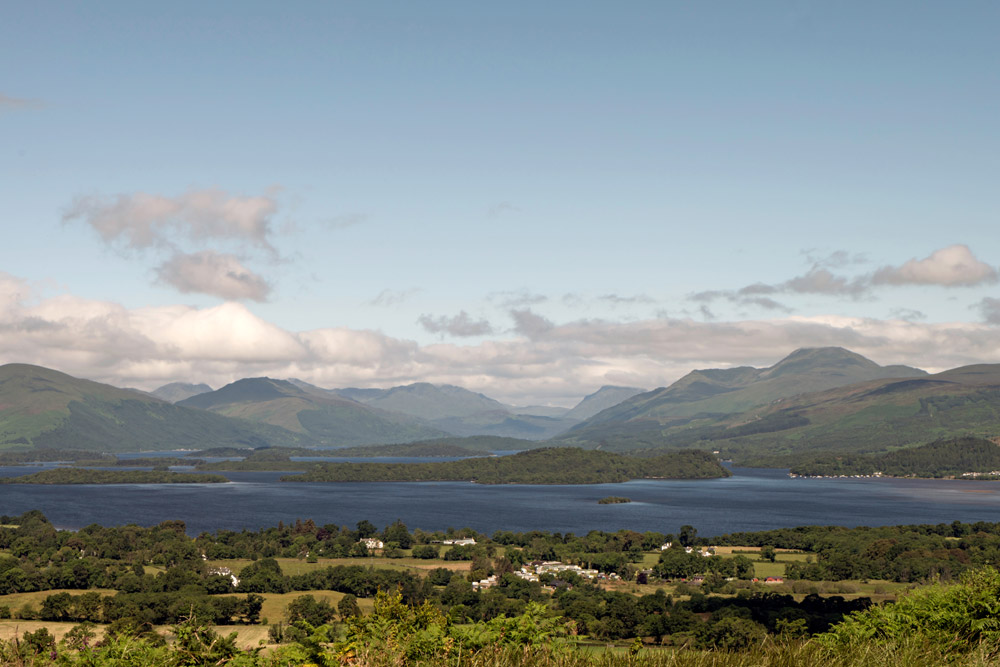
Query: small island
{"type": "Point", "coordinates": [89, 476]}
{"type": "Point", "coordinates": [614, 500]}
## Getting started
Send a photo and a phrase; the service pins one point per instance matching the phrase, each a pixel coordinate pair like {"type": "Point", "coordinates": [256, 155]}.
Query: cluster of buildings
{"type": "Point", "coordinates": [375, 543]}
{"type": "Point", "coordinates": [706, 552]}
{"type": "Point", "coordinates": [534, 570]}
{"type": "Point", "coordinates": [225, 572]}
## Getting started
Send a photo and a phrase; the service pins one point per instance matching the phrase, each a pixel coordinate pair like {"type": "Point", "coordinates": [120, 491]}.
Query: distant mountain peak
{"type": "Point", "coordinates": [806, 359]}
{"type": "Point", "coordinates": [605, 397]}
{"type": "Point", "coordinates": [733, 390]}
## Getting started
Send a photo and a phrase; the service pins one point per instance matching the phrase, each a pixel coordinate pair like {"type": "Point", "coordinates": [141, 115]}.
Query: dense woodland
{"type": "Point", "coordinates": [559, 465]}
{"type": "Point", "coordinates": [944, 458]}
{"type": "Point", "coordinates": [131, 579]}
{"type": "Point", "coordinates": [92, 476]}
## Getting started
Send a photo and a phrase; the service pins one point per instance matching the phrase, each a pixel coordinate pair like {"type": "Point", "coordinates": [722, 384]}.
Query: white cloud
{"type": "Point", "coordinates": [954, 266]}
{"type": "Point", "coordinates": [618, 299]}
{"type": "Point", "coordinates": [461, 325]}
{"type": "Point", "coordinates": [530, 324]}
{"type": "Point", "coordinates": [208, 272]}
{"type": "Point", "coordinates": [517, 298]}
{"type": "Point", "coordinates": [548, 362]}
{"type": "Point", "coordinates": [141, 220]}
{"type": "Point", "coordinates": [822, 281]}
{"type": "Point", "coordinates": [388, 297]}
{"type": "Point", "coordinates": [990, 309]}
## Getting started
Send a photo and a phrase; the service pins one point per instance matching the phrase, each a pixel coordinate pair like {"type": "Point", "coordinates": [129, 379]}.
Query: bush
{"type": "Point", "coordinates": [955, 618]}
{"type": "Point", "coordinates": [439, 576]}
{"type": "Point", "coordinates": [427, 551]}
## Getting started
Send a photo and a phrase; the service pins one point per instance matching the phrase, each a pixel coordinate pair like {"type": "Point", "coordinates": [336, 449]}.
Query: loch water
{"type": "Point", "coordinates": [752, 499]}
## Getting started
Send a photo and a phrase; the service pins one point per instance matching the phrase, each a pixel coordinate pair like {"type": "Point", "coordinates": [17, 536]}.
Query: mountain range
{"type": "Point", "coordinates": [813, 400]}
{"type": "Point", "coordinates": [325, 417]}
{"type": "Point", "coordinates": [43, 408]}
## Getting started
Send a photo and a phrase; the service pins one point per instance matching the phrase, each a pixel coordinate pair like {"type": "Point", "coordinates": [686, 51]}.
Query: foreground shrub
{"type": "Point", "coordinates": [953, 619]}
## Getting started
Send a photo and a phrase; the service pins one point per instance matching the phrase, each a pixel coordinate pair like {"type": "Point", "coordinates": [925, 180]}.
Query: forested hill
{"type": "Point", "coordinates": [562, 465]}
{"type": "Point", "coordinates": [474, 445]}
{"type": "Point", "coordinates": [91, 476]}
{"type": "Point", "coordinates": [944, 458]}
{"type": "Point", "coordinates": [44, 409]}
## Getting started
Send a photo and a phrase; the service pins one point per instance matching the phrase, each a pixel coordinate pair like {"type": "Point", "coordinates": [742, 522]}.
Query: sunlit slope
{"type": "Point", "coordinates": [43, 408]}
{"type": "Point", "coordinates": [715, 394]}
{"type": "Point", "coordinates": [868, 417]}
{"type": "Point", "coordinates": [322, 415]}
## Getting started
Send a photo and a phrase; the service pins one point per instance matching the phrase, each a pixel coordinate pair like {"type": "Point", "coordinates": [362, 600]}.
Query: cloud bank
{"type": "Point", "coordinates": [541, 362]}
{"type": "Point", "coordinates": [461, 325]}
{"type": "Point", "coordinates": [952, 266]}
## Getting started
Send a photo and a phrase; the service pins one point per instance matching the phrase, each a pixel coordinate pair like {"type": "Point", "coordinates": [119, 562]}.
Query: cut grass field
{"type": "Point", "coordinates": [275, 604]}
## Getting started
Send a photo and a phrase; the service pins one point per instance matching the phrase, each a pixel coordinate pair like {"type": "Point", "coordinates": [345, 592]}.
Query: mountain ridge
{"type": "Point", "coordinates": [45, 408]}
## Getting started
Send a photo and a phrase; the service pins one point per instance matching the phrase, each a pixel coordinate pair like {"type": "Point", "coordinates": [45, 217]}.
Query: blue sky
{"type": "Point", "coordinates": [527, 199]}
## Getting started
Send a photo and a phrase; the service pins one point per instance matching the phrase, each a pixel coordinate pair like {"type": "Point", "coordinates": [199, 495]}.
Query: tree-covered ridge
{"type": "Point", "coordinates": [897, 553]}
{"type": "Point", "coordinates": [874, 416]}
{"type": "Point", "coordinates": [541, 466]}
{"type": "Point", "coordinates": [457, 446]}
{"type": "Point", "coordinates": [91, 476]}
{"type": "Point", "coordinates": [153, 462]}
{"type": "Point", "coordinates": [944, 458]}
{"type": "Point", "coordinates": [221, 452]}
{"type": "Point", "coordinates": [426, 449]}
{"type": "Point", "coordinates": [46, 409]}
{"type": "Point", "coordinates": [50, 455]}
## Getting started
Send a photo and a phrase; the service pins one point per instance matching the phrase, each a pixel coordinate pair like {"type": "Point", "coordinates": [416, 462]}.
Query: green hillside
{"type": "Point", "coordinates": [606, 397]}
{"type": "Point", "coordinates": [860, 417]}
{"type": "Point", "coordinates": [43, 408]}
{"type": "Point", "coordinates": [734, 390]}
{"type": "Point", "coordinates": [865, 418]}
{"type": "Point", "coordinates": [945, 458]}
{"type": "Point", "coordinates": [323, 416]}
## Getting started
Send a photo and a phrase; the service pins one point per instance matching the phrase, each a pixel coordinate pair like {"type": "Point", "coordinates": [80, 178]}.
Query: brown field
{"type": "Point", "coordinates": [273, 610]}
{"type": "Point", "coordinates": [293, 566]}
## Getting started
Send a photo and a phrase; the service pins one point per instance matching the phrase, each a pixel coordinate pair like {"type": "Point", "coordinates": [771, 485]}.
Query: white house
{"type": "Point", "coordinates": [463, 542]}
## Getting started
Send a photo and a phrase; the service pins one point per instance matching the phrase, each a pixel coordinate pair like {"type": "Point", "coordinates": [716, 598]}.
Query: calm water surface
{"type": "Point", "coordinates": [753, 499]}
